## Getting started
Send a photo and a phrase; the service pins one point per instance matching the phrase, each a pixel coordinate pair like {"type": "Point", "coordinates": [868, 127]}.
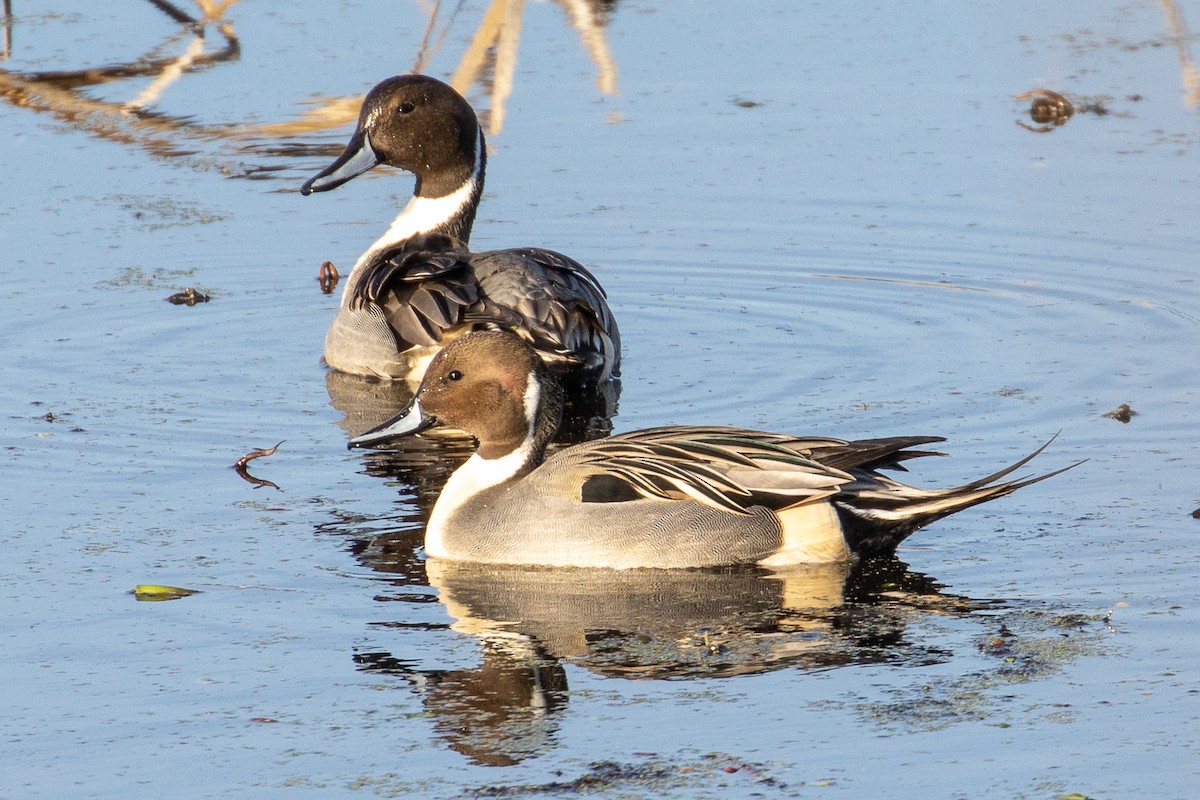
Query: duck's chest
{"type": "Point", "coordinates": [475, 507]}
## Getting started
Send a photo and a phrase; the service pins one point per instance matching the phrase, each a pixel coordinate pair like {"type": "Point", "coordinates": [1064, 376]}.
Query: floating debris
{"type": "Point", "coordinates": [1122, 413]}
{"type": "Point", "coordinates": [154, 593]}
{"type": "Point", "coordinates": [188, 297]}
{"type": "Point", "coordinates": [244, 474]}
{"type": "Point", "coordinates": [1097, 106]}
{"type": "Point", "coordinates": [1049, 110]}
{"type": "Point", "coordinates": [328, 277]}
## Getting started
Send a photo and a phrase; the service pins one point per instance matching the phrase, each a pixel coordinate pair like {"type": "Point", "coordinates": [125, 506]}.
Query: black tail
{"type": "Point", "coordinates": [877, 514]}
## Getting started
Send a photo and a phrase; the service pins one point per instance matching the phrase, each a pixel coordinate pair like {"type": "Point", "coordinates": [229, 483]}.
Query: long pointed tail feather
{"type": "Point", "coordinates": [877, 521]}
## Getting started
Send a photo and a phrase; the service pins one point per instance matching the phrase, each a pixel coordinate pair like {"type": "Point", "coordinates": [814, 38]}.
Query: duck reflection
{"type": "Point", "coordinates": [496, 714]}
{"type": "Point", "coordinates": [640, 624]}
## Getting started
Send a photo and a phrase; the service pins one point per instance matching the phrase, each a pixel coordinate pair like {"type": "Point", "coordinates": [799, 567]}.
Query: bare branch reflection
{"type": "Point", "coordinates": [1177, 32]}
{"type": "Point", "coordinates": [57, 92]}
{"type": "Point", "coordinates": [6, 46]}
{"type": "Point", "coordinates": [489, 62]}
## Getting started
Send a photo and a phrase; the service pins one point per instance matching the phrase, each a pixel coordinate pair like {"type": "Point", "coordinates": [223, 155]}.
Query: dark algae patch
{"type": "Point", "coordinates": [1025, 646]}
{"type": "Point", "coordinates": [716, 772]}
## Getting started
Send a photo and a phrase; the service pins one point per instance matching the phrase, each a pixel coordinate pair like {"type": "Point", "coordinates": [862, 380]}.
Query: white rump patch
{"type": "Point", "coordinates": [812, 534]}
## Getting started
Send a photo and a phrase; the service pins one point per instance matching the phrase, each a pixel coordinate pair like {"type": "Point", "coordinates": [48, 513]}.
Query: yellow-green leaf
{"type": "Point", "coordinates": [155, 592]}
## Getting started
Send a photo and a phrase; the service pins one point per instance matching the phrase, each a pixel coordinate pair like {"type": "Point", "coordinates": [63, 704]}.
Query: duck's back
{"type": "Point", "coordinates": [550, 299]}
{"type": "Point", "coordinates": [408, 301]}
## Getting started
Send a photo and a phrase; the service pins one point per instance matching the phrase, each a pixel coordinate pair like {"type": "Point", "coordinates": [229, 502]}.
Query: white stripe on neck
{"type": "Point", "coordinates": [479, 473]}
{"type": "Point", "coordinates": [424, 214]}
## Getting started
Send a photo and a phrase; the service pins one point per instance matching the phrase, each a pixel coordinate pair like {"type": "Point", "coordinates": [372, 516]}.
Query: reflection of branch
{"type": "Point", "coordinates": [106, 120]}
{"type": "Point", "coordinates": [325, 114]}
{"type": "Point", "coordinates": [592, 35]}
{"type": "Point", "coordinates": [6, 50]}
{"type": "Point", "coordinates": [173, 12]}
{"type": "Point", "coordinates": [506, 62]}
{"type": "Point", "coordinates": [501, 29]}
{"type": "Point", "coordinates": [169, 75]}
{"type": "Point", "coordinates": [57, 92]}
{"type": "Point", "coordinates": [427, 49]}
{"type": "Point", "coordinates": [501, 26]}
{"type": "Point", "coordinates": [214, 10]}
{"type": "Point", "coordinates": [1177, 32]}
{"type": "Point", "coordinates": [71, 79]}
{"type": "Point", "coordinates": [472, 60]}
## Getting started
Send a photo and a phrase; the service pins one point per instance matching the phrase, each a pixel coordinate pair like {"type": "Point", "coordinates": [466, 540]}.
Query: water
{"type": "Point", "coordinates": [808, 219]}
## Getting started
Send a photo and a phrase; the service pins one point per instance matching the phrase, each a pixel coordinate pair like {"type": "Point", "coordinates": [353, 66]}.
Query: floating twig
{"type": "Point", "coordinates": [188, 297]}
{"type": "Point", "coordinates": [244, 474]}
{"type": "Point", "coordinates": [328, 277]}
{"type": "Point", "coordinates": [1122, 413]}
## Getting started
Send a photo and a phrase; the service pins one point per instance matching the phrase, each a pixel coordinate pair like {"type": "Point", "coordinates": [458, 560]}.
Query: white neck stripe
{"type": "Point", "coordinates": [533, 399]}
{"type": "Point", "coordinates": [425, 214]}
{"type": "Point", "coordinates": [480, 473]}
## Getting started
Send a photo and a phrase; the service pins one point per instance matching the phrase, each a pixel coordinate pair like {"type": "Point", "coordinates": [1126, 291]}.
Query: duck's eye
{"type": "Point", "coordinates": [454, 375]}
{"type": "Point", "coordinates": [406, 108]}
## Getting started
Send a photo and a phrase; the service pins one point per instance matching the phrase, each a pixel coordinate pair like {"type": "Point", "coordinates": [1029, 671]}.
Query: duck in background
{"type": "Point", "coordinates": [419, 287]}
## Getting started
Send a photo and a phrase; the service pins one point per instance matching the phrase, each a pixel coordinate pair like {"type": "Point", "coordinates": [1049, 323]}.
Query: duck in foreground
{"type": "Point", "coordinates": [419, 286]}
{"type": "Point", "coordinates": [685, 496]}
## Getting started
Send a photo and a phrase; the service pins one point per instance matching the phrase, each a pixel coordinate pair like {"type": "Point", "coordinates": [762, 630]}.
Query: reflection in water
{"type": "Point", "coordinates": [495, 714]}
{"type": "Point", "coordinates": [1178, 35]}
{"type": "Point", "coordinates": [59, 92]}
{"type": "Point", "coordinates": [499, 33]}
{"type": "Point", "coordinates": [490, 60]}
{"type": "Point", "coordinates": [6, 45]}
{"type": "Point", "coordinates": [364, 402]}
{"type": "Point", "coordinates": [244, 473]}
{"type": "Point", "coordinates": [639, 624]}
{"type": "Point", "coordinates": [692, 623]}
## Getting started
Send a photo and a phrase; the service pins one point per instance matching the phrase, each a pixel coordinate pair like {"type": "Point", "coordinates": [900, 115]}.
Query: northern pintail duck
{"type": "Point", "coordinates": [418, 286]}
{"type": "Point", "coordinates": [686, 496]}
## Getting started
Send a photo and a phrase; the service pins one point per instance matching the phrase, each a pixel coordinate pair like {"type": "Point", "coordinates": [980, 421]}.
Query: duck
{"type": "Point", "coordinates": [419, 286]}
{"type": "Point", "coordinates": [667, 497]}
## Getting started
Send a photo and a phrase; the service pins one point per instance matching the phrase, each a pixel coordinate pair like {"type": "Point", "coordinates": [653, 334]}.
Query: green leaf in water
{"type": "Point", "coordinates": [151, 592]}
